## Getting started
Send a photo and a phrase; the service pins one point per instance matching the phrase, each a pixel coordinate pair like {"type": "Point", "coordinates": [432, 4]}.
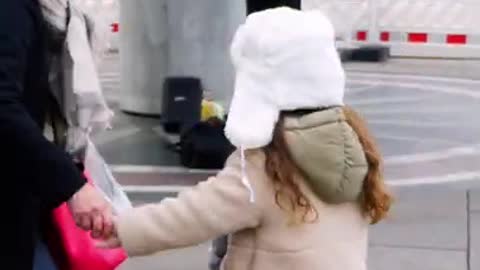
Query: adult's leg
{"type": "Point", "coordinates": [42, 258]}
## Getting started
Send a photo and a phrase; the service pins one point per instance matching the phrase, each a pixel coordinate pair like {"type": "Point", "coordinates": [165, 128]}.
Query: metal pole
{"type": "Point", "coordinates": [373, 33]}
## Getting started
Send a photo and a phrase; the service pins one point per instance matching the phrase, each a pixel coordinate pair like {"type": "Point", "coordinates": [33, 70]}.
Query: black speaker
{"type": "Point", "coordinates": [182, 103]}
{"type": "Point", "coordinates": [259, 5]}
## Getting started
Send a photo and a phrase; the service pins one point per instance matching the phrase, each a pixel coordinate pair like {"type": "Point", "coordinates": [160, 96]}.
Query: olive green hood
{"type": "Point", "coordinates": [328, 153]}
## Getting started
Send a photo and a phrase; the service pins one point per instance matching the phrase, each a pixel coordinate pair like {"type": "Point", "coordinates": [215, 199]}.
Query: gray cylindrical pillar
{"type": "Point", "coordinates": [143, 55]}
{"type": "Point", "coordinates": [200, 33]}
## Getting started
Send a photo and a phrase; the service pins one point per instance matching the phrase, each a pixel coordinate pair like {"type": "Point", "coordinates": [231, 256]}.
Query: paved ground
{"type": "Point", "coordinates": [426, 126]}
{"type": "Point", "coordinates": [466, 69]}
{"type": "Point", "coordinates": [423, 113]}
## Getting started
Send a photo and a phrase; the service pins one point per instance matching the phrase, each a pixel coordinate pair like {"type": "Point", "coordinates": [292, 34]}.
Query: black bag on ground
{"type": "Point", "coordinates": [182, 103]}
{"type": "Point", "coordinates": [204, 146]}
{"type": "Point", "coordinates": [371, 53]}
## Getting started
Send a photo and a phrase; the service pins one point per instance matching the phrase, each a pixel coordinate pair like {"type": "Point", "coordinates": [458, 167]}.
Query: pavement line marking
{"type": "Point", "coordinates": [110, 86]}
{"type": "Point", "coordinates": [422, 109]}
{"type": "Point", "coordinates": [453, 152]}
{"type": "Point", "coordinates": [427, 87]}
{"type": "Point", "coordinates": [415, 247]}
{"type": "Point", "coordinates": [356, 90]}
{"type": "Point", "coordinates": [413, 139]}
{"type": "Point", "coordinates": [111, 136]}
{"type": "Point", "coordinates": [415, 124]}
{"type": "Point", "coordinates": [110, 83]}
{"type": "Point", "coordinates": [408, 182]}
{"type": "Point", "coordinates": [411, 77]}
{"type": "Point", "coordinates": [385, 100]}
{"type": "Point", "coordinates": [110, 80]}
{"type": "Point", "coordinates": [435, 180]}
{"type": "Point", "coordinates": [110, 74]}
{"type": "Point", "coordinates": [157, 169]}
{"type": "Point", "coordinates": [154, 189]}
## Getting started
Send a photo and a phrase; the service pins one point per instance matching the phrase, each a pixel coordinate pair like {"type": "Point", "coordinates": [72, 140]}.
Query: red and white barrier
{"type": "Point", "coordinates": [424, 44]}
{"type": "Point", "coordinates": [419, 28]}
{"type": "Point", "coordinates": [115, 27]}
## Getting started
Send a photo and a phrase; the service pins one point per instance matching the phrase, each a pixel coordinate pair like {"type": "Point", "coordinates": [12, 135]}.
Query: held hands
{"type": "Point", "coordinates": [110, 242]}
{"type": "Point", "coordinates": [93, 213]}
{"type": "Point", "coordinates": [109, 239]}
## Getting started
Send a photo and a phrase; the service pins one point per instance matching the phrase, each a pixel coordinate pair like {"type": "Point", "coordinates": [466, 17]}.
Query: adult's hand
{"type": "Point", "coordinates": [91, 211]}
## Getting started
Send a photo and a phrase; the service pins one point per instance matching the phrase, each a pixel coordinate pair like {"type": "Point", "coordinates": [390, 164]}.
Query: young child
{"type": "Point", "coordinates": [306, 180]}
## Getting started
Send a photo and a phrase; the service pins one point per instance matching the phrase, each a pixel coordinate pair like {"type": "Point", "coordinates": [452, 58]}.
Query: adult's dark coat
{"type": "Point", "coordinates": [36, 176]}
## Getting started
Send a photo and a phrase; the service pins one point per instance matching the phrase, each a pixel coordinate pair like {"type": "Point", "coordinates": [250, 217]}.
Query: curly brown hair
{"type": "Point", "coordinates": [375, 199]}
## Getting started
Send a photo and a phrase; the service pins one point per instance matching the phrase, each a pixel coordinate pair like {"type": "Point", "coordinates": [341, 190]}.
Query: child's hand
{"type": "Point", "coordinates": [109, 239]}
{"type": "Point", "coordinates": [111, 243]}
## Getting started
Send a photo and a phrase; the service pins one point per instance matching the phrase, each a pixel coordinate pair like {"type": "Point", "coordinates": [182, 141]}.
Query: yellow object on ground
{"type": "Point", "coordinates": [211, 109]}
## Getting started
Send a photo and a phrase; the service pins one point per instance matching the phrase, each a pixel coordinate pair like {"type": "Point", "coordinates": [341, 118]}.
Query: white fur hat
{"type": "Point", "coordinates": [285, 59]}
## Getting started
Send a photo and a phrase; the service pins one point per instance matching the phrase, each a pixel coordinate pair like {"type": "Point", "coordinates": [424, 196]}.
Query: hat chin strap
{"type": "Point", "coordinates": [245, 180]}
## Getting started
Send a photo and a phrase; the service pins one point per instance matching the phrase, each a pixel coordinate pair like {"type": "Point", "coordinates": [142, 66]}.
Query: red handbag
{"type": "Point", "coordinates": [74, 249]}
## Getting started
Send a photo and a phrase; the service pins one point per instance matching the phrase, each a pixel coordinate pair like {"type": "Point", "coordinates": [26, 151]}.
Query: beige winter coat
{"type": "Point", "coordinates": [329, 155]}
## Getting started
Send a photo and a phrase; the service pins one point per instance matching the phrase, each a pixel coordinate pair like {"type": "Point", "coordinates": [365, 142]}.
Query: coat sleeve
{"type": "Point", "coordinates": [39, 166]}
{"type": "Point", "coordinates": [213, 208]}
